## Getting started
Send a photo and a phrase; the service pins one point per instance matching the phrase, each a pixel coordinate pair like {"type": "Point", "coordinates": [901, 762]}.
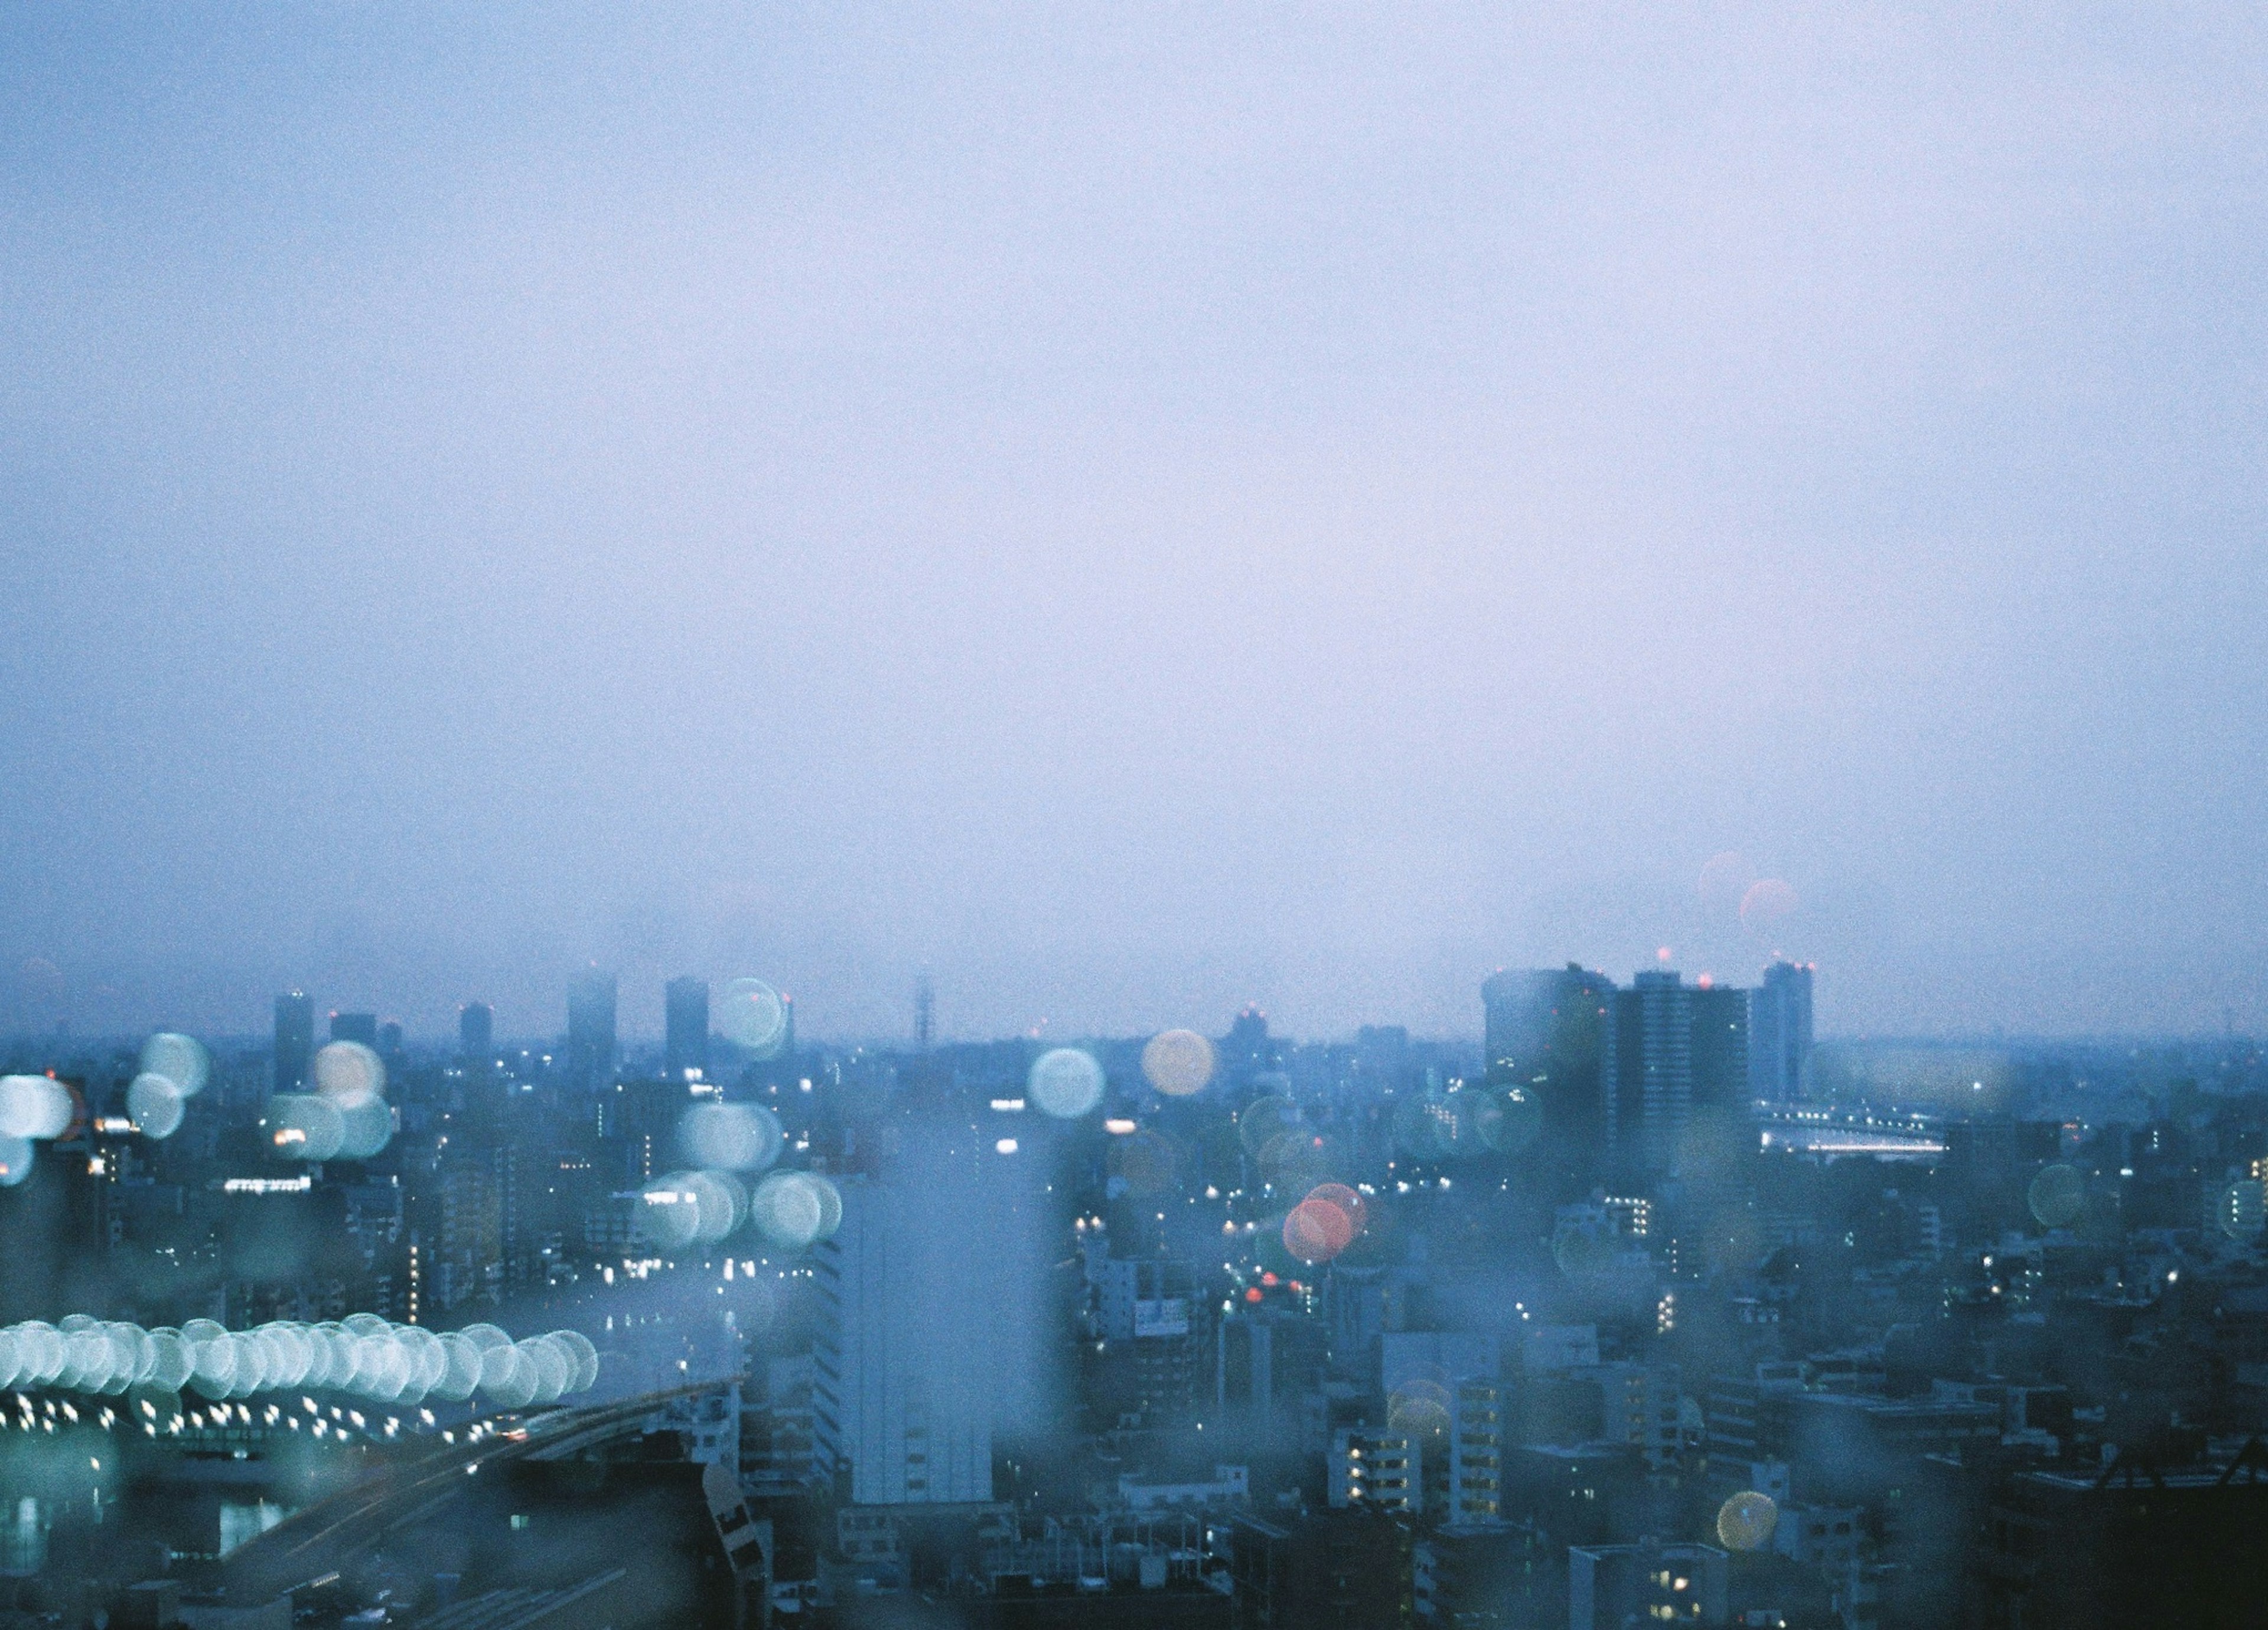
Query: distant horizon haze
{"type": "Point", "coordinates": [1135, 511]}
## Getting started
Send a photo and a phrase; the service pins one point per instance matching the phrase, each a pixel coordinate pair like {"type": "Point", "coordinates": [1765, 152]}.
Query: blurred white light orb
{"type": "Point", "coordinates": [554, 1368]}
{"type": "Point", "coordinates": [731, 1137]}
{"type": "Point", "coordinates": [304, 1126]}
{"type": "Point", "coordinates": [585, 1352]}
{"type": "Point", "coordinates": [155, 1104]}
{"type": "Point", "coordinates": [181, 1059]}
{"type": "Point", "coordinates": [508, 1376]}
{"type": "Point", "coordinates": [1178, 1063]}
{"type": "Point", "coordinates": [349, 1070]}
{"type": "Point", "coordinates": [750, 1015]}
{"type": "Point", "coordinates": [1746, 1522]}
{"type": "Point", "coordinates": [1263, 1120]}
{"type": "Point", "coordinates": [794, 1209]}
{"type": "Point", "coordinates": [462, 1371]}
{"type": "Point", "coordinates": [33, 1106]}
{"type": "Point", "coordinates": [669, 1211]}
{"type": "Point", "coordinates": [15, 1160]}
{"type": "Point", "coordinates": [1065, 1082]}
{"type": "Point", "coordinates": [365, 1124]}
{"type": "Point", "coordinates": [2057, 1195]}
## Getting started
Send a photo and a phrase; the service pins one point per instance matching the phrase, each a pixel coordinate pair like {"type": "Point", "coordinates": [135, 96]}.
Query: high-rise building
{"type": "Point", "coordinates": [590, 1029]}
{"type": "Point", "coordinates": [476, 1032]}
{"type": "Point", "coordinates": [1546, 1034]}
{"type": "Point", "coordinates": [355, 1027]}
{"type": "Point", "coordinates": [1474, 1491]}
{"type": "Point", "coordinates": [1779, 1035]}
{"type": "Point", "coordinates": [901, 1398]}
{"type": "Point", "coordinates": [295, 1041]}
{"type": "Point", "coordinates": [685, 1044]}
{"type": "Point", "coordinates": [1382, 1470]}
{"type": "Point", "coordinates": [927, 1333]}
{"type": "Point", "coordinates": [1676, 1069]}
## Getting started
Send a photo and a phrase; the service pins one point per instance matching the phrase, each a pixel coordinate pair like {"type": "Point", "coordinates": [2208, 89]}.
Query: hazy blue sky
{"type": "Point", "coordinates": [1141, 508]}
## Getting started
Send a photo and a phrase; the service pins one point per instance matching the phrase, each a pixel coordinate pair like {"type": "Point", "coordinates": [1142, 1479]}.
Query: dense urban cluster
{"type": "Point", "coordinates": [1643, 1309]}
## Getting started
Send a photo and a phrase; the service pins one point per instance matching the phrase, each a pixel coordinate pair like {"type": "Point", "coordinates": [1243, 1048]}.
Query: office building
{"type": "Point", "coordinates": [1472, 1490]}
{"type": "Point", "coordinates": [1383, 1470]}
{"type": "Point", "coordinates": [1779, 1035]}
{"type": "Point", "coordinates": [295, 1041]}
{"type": "Point", "coordinates": [1345, 1567]}
{"type": "Point", "coordinates": [1676, 1069]}
{"type": "Point", "coordinates": [591, 1045]}
{"type": "Point", "coordinates": [476, 1032]}
{"type": "Point", "coordinates": [355, 1027]}
{"type": "Point", "coordinates": [926, 1332]}
{"type": "Point", "coordinates": [685, 1029]}
{"type": "Point", "coordinates": [1610, 1586]}
{"type": "Point", "coordinates": [1546, 1034]}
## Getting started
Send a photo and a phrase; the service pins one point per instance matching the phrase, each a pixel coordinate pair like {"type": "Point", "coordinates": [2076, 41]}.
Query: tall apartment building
{"type": "Point", "coordinates": [1676, 1072]}
{"type": "Point", "coordinates": [685, 1029]}
{"type": "Point", "coordinates": [927, 1334]}
{"type": "Point", "coordinates": [1779, 1035]}
{"type": "Point", "coordinates": [295, 1041]}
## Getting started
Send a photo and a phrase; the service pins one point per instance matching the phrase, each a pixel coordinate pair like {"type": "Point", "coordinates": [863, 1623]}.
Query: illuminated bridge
{"type": "Point", "coordinates": [1831, 1133]}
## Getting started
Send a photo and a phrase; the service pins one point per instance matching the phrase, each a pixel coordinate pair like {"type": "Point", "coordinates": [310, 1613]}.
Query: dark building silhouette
{"type": "Point", "coordinates": [355, 1027]}
{"type": "Point", "coordinates": [295, 1041]}
{"type": "Point", "coordinates": [1546, 1034]}
{"type": "Point", "coordinates": [590, 1029]}
{"type": "Point", "coordinates": [685, 1044]}
{"type": "Point", "coordinates": [477, 1031]}
{"type": "Point", "coordinates": [1677, 1070]}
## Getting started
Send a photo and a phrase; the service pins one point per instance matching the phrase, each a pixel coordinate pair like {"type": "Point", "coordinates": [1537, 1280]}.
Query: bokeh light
{"type": "Point", "coordinates": [15, 1160]}
{"type": "Point", "coordinates": [669, 1211]}
{"type": "Point", "coordinates": [1420, 1407]}
{"type": "Point", "coordinates": [1347, 1199]}
{"type": "Point", "coordinates": [1296, 1160]}
{"type": "Point", "coordinates": [1432, 1126]}
{"type": "Point", "coordinates": [1263, 1120]}
{"type": "Point", "coordinates": [1725, 880]}
{"type": "Point", "coordinates": [1769, 900]}
{"type": "Point", "coordinates": [1065, 1082]}
{"type": "Point", "coordinates": [2056, 1196]}
{"type": "Point", "coordinates": [751, 1015]}
{"type": "Point", "coordinates": [1143, 1161]}
{"type": "Point", "coordinates": [2242, 1210]}
{"type": "Point", "coordinates": [1317, 1230]}
{"type": "Point", "coordinates": [155, 1104]}
{"type": "Point", "coordinates": [349, 1071]}
{"type": "Point", "coordinates": [1178, 1063]}
{"type": "Point", "coordinates": [731, 1137]}
{"type": "Point", "coordinates": [366, 1126]}
{"type": "Point", "coordinates": [33, 1106]}
{"type": "Point", "coordinates": [796, 1209]}
{"type": "Point", "coordinates": [304, 1126]}
{"type": "Point", "coordinates": [181, 1059]}
{"type": "Point", "coordinates": [365, 1357]}
{"type": "Point", "coordinates": [1507, 1120]}
{"type": "Point", "coordinates": [1746, 1521]}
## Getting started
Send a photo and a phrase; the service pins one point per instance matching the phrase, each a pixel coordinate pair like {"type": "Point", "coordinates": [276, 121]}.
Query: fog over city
{"type": "Point", "coordinates": [1135, 511]}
